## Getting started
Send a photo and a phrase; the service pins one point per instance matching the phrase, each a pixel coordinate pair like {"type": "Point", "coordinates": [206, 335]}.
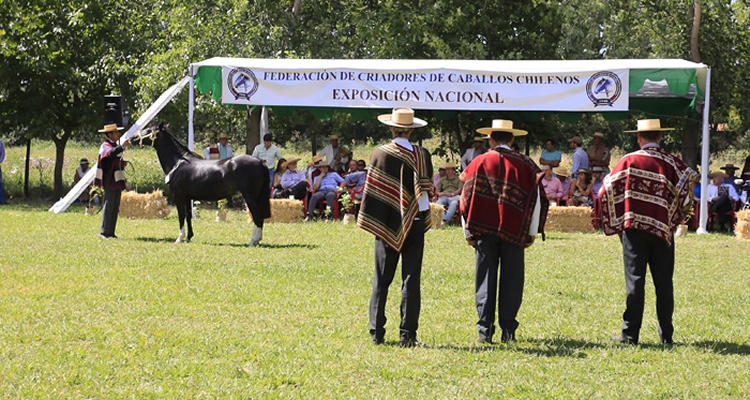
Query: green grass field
{"type": "Point", "coordinates": [142, 317]}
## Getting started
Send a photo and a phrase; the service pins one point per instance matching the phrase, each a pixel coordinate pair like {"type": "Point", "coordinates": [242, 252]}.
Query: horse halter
{"type": "Point", "coordinates": [152, 133]}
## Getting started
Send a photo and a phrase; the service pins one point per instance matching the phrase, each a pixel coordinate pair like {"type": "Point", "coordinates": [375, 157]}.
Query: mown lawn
{"type": "Point", "coordinates": [141, 317]}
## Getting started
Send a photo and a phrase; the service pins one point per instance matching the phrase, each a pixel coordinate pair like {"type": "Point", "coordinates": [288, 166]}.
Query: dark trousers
{"type": "Point", "coordinates": [299, 191]}
{"type": "Point", "coordinates": [721, 207]}
{"type": "Point", "coordinates": [110, 211]}
{"type": "Point", "coordinates": [386, 259]}
{"type": "Point", "coordinates": [328, 195]}
{"type": "Point", "coordinates": [638, 249]}
{"type": "Point", "coordinates": [491, 253]}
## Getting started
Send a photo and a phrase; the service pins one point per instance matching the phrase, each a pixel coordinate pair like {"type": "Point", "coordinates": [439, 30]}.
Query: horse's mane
{"type": "Point", "coordinates": [180, 147]}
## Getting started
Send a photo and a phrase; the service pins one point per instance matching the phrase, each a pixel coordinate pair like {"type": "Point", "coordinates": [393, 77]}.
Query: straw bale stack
{"type": "Point", "coordinates": [436, 213]}
{"type": "Point", "coordinates": [742, 229]}
{"type": "Point", "coordinates": [569, 219]}
{"type": "Point", "coordinates": [147, 206]}
{"type": "Point", "coordinates": [283, 211]}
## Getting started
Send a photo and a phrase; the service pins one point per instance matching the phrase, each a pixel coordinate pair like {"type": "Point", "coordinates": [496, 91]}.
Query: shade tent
{"type": "Point", "coordinates": [660, 88]}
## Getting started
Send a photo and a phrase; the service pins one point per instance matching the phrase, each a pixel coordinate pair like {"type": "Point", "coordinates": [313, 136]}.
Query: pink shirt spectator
{"type": "Point", "coordinates": [553, 187]}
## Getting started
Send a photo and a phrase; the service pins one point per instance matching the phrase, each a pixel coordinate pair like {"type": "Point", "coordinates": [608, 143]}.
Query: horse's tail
{"type": "Point", "coordinates": [264, 202]}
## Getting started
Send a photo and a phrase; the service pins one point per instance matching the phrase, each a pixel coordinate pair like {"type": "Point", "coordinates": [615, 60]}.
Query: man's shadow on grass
{"type": "Point", "coordinates": [724, 348]}
{"type": "Point", "coordinates": [559, 347]}
{"type": "Point", "coordinates": [238, 245]}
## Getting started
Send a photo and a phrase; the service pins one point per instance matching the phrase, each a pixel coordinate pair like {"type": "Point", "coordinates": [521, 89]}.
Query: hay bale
{"type": "Point", "coordinates": [143, 205]}
{"type": "Point", "coordinates": [742, 229]}
{"type": "Point", "coordinates": [283, 211]}
{"type": "Point", "coordinates": [436, 213]}
{"type": "Point", "coordinates": [569, 219]}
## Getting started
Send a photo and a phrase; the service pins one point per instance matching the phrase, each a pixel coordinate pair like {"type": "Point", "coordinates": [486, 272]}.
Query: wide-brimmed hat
{"type": "Point", "coordinates": [316, 159]}
{"type": "Point", "coordinates": [650, 125]}
{"type": "Point", "coordinates": [480, 138]}
{"type": "Point", "coordinates": [402, 117]}
{"type": "Point", "coordinates": [111, 128]}
{"type": "Point", "coordinates": [448, 165]}
{"type": "Point", "coordinates": [323, 163]}
{"type": "Point", "coordinates": [223, 136]}
{"type": "Point", "coordinates": [576, 139]}
{"type": "Point", "coordinates": [584, 171]}
{"type": "Point", "coordinates": [597, 169]}
{"type": "Point", "coordinates": [712, 175]}
{"type": "Point", "coordinates": [502, 125]}
{"type": "Point", "coordinates": [292, 160]}
{"type": "Point", "coordinates": [728, 166]}
{"type": "Point", "coordinates": [333, 137]}
{"type": "Point", "coordinates": [84, 161]}
{"type": "Point", "coordinates": [562, 171]}
{"type": "Point", "coordinates": [599, 135]}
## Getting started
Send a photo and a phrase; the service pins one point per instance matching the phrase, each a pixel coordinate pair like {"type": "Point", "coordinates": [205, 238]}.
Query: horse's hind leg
{"type": "Point", "coordinates": [189, 216]}
{"type": "Point", "coordinates": [252, 205]}
{"type": "Point", "coordinates": [181, 210]}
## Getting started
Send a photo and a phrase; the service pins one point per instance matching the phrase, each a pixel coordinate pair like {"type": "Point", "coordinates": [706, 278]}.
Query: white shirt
{"type": "Point", "coordinates": [329, 153]}
{"type": "Point", "coordinates": [270, 154]}
{"type": "Point", "coordinates": [713, 191]}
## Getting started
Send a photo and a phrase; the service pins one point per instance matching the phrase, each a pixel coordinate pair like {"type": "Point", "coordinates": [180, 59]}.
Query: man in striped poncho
{"type": "Point", "coordinates": [395, 208]}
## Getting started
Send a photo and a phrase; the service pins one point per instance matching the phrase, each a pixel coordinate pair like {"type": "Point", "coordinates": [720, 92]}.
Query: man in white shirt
{"type": "Point", "coordinates": [472, 152]}
{"type": "Point", "coordinates": [337, 156]}
{"type": "Point", "coordinates": [268, 153]}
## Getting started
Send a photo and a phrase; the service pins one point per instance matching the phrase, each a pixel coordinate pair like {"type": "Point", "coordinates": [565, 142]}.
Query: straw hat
{"type": "Point", "coordinates": [479, 138]}
{"type": "Point", "coordinates": [599, 135]}
{"type": "Point", "coordinates": [650, 125]}
{"type": "Point", "coordinates": [562, 171]}
{"type": "Point", "coordinates": [576, 139]}
{"type": "Point", "coordinates": [334, 137]}
{"type": "Point", "coordinates": [111, 128]}
{"type": "Point", "coordinates": [316, 159]}
{"type": "Point", "coordinates": [223, 136]}
{"type": "Point", "coordinates": [597, 169]}
{"type": "Point", "coordinates": [502, 125]}
{"type": "Point", "coordinates": [712, 175]}
{"type": "Point", "coordinates": [402, 117]}
{"type": "Point", "coordinates": [292, 160]}
{"type": "Point", "coordinates": [323, 163]}
{"type": "Point", "coordinates": [584, 171]}
{"type": "Point", "coordinates": [448, 165]}
{"type": "Point", "coordinates": [728, 166]}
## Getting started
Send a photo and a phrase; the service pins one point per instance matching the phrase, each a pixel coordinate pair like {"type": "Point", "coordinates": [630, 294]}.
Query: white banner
{"type": "Point", "coordinates": [438, 89]}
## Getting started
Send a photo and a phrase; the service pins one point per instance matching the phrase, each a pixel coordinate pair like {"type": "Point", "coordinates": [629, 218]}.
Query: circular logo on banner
{"type": "Point", "coordinates": [242, 83]}
{"type": "Point", "coordinates": [604, 88]}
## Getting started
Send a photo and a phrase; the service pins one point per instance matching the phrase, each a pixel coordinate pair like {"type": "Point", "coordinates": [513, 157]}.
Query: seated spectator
{"type": "Point", "coordinates": [361, 164]}
{"type": "Point", "coordinates": [325, 188]}
{"type": "Point", "coordinates": [311, 171]}
{"type": "Point", "coordinates": [80, 172]}
{"type": "Point", "coordinates": [354, 182]}
{"type": "Point", "coordinates": [580, 190]}
{"type": "Point", "coordinates": [438, 177]}
{"type": "Point", "coordinates": [477, 149]}
{"type": "Point", "coordinates": [730, 170]}
{"type": "Point", "coordinates": [277, 174]}
{"type": "Point", "coordinates": [596, 178]}
{"type": "Point", "coordinates": [720, 197]}
{"type": "Point", "coordinates": [448, 191]}
{"type": "Point", "coordinates": [352, 168]}
{"type": "Point", "coordinates": [564, 176]}
{"type": "Point", "coordinates": [293, 182]}
{"type": "Point", "coordinates": [552, 186]}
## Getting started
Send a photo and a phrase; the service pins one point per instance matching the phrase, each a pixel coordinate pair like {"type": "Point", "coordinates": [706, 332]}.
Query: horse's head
{"type": "Point", "coordinates": [148, 136]}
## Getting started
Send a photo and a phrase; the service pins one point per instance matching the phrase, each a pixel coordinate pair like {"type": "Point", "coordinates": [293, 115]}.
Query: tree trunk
{"type": "Point", "coordinates": [690, 143]}
{"type": "Point", "coordinates": [60, 143]}
{"type": "Point", "coordinates": [252, 125]}
{"type": "Point", "coordinates": [691, 136]}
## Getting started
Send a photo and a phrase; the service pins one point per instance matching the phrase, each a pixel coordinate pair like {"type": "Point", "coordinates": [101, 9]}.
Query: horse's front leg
{"type": "Point", "coordinates": [181, 211]}
{"type": "Point", "coordinates": [252, 205]}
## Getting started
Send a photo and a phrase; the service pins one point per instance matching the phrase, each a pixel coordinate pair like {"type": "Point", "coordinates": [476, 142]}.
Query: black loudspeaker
{"type": "Point", "coordinates": [116, 111]}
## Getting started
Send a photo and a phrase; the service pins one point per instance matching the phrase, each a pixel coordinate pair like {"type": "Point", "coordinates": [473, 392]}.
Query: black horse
{"type": "Point", "coordinates": [190, 177]}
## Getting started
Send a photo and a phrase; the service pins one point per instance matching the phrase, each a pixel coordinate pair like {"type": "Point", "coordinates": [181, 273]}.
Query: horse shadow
{"type": "Point", "coordinates": [273, 245]}
{"type": "Point", "coordinates": [154, 239]}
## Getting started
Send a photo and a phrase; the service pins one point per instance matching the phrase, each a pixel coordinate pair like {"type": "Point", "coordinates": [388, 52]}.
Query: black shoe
{"type": "Point", "coordinates": [624, 339]}
{"type": "Point", "coordinates": [410, 342]}
{"type": "Point", "coordinates": [666, 341]}
{"type": "Point", "coordinates": [377, 339]}
{"type": "Point", "coordinates": [508, 336]}
{"type": "Point", "coordinates": [484, 340]}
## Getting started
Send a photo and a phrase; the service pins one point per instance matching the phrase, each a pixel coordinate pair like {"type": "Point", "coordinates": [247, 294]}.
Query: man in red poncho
{"type": "Point", "coordinates": [644, 198]}
{"type": "Point", "coordinates": [504, 207]}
